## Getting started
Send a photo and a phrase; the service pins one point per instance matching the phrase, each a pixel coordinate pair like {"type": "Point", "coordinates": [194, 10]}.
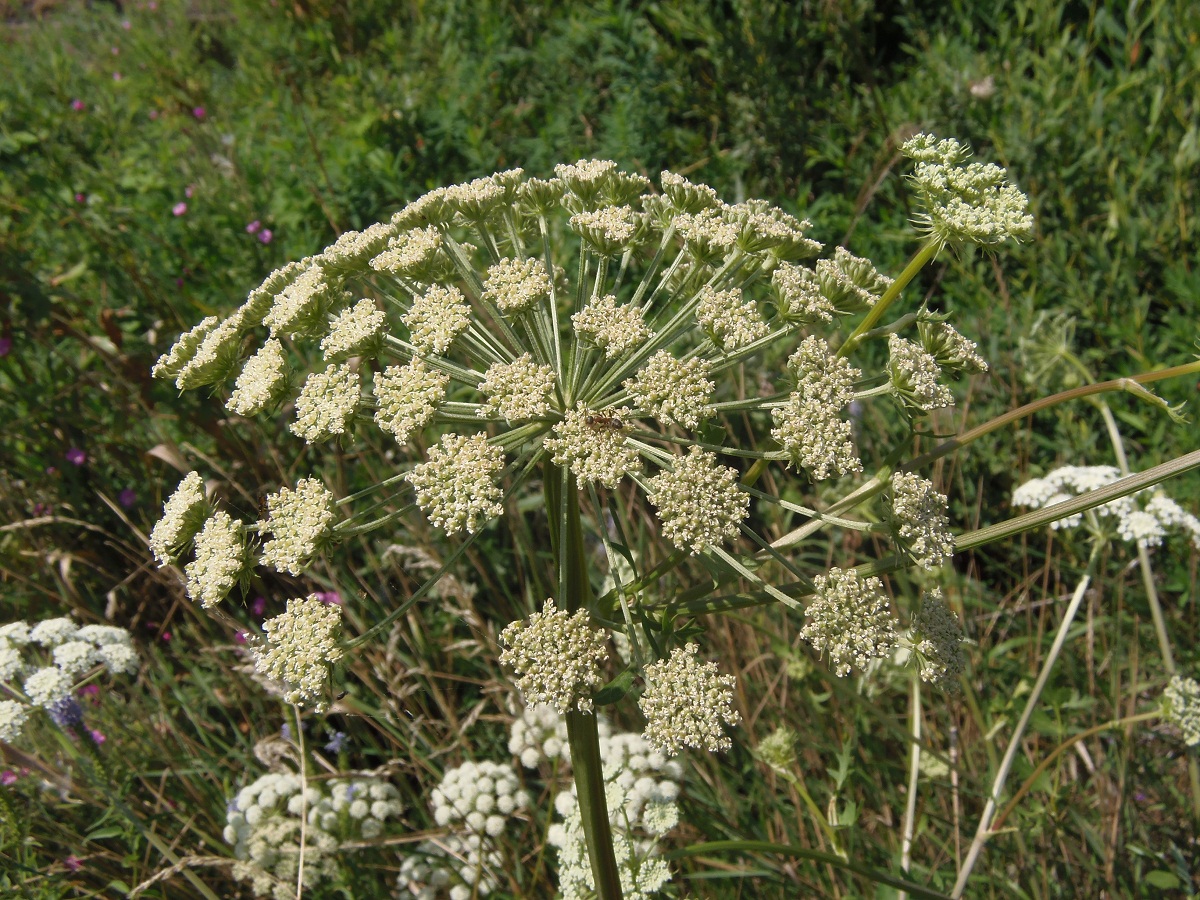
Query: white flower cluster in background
{"type": "Point", "coordinates": [40, 664]}
{"type": "Point", "coordinates": [263, 823]}
{"type": "Point", "coordinates": [641, 789]}
{"type": "Point", "coordinates": [475, 803]}
{"type": "Point", "coordinates": [1146, 517]}
{"type": "Point", "coordinates": [1181, 698]}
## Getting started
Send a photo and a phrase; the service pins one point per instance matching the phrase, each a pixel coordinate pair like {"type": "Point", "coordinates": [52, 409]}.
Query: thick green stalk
{"type": "Point", "coordinates": [915, 265]}
{"type": "Point", "coordinates": [566, 535]}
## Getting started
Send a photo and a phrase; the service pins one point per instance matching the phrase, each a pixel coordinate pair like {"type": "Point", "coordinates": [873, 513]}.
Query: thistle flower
{"type": "Point", "coordinates": [919, 520]}
{"type": "Point", "coordinates": [556, 656]}
{"type": "Point", "coordinates": [456, 487]}
{"type": "Point", "coordinates": [593, 445]}
{"type": "Point", "coordinates": [262, 381]}
{"type": "Point", "coordinates": [518, 390]}
{"type": "Point", "coordinates": [183, 514]}
{"type": "Point", "coordinates": [915, 376]}
{"type": "Point", "coordinates": [849, 620]}
{"type": "Point", "coordinates": [673, 390]}
{"type": "Point", "coordinates": [326, 403]}
{"type": "Point", "coordinates": [686, 702]}
{"type": "Point", "coordinates": [1181, 701]}
{"type": "Point", "coordinates": [436, 318]}
{"type": "Point", "coordinates": [355, 331]}
{"type": "Point", "coordinates": [698, 501]}
{"type": "Point", "coordinates": [299, 521]}
{"type": "Point", "coordinates": [614, 329]}
{"type": "Point", "coordinates": [516, 286]}
{"type": "Point", "coordinates": [299, 648]}
{"type": "Point", "coordinates": [407, 397]}
{"type": "Point", "coordinates": [728, 320]}
{"type": "Point", "coordinates": [937, 640]}
{"type": "Point", "coordinates": [220, 562]}
{"type": "Point", "coordinates": [13, 716]}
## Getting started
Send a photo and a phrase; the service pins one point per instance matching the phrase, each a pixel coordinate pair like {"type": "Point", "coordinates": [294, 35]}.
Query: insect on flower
{"type": "Point", "coordinates": [611, 423]}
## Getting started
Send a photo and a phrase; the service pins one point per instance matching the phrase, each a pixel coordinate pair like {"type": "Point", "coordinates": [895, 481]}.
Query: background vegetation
{"type": "Point", "coordinates": [139, 140]}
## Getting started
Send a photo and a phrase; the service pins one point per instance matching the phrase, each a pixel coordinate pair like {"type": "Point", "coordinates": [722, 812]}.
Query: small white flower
{"type": "Point", "coordinates": [13, 716]}
{"type": "Point", "coordinates": [407, 397]}
{"type": "Point", "coordinates": [613, 328]}
{"type": "Point", "coordinates": [593, 445]}
{"type": "Point", "coordinates": [436, 318]}
{"type": "Point", "coordinates": [52, 632]}
{"type": "Point", "coordinates": [299, 647]}
{"type": "Point", "coordinates": [699, 502]}
{"type": "Point", "coordinates": [327, 402]}
{"type": "Point", "coordinates": [262, 382]}
{"type": "Point", "coordinates": [556, 656]}
{"type": "Point", "coordinates": [456, 485]}
{"type": "Point", "coordinates": [919, 515]}
{"type": "Point", "coordinates": [220, 560]}
{"type": "Point", "coordinates": [674, 390]}
{"type": "Point", "coordinates": [298, 521]}
{"type": "Point", "coordinates": [516, 285]}
{"type": "Point", "coordinates": [686, 702]}
{"type": "Point", "coordinates": [518, 390]}
{"type": "Point", "coordinates": [47, 686]}
{"type": "Point", "coordinates": [849, 620]}
{"type": "Point", "coordinates": [183, 514]}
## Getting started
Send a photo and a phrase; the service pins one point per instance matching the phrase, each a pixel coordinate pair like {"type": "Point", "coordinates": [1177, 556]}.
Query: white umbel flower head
{"type": "Point", "coordinates": [517, 391]}
{"type": "Point", "coordinates": [1181, 699]}
{"type": "Point", "coordinates": [11, 664]}
{"type": "Point", "coordinates": [849, 620]}
{"type": "Point", "coordinates": [608, 231]}
{"type": "Point", "coordinates": [699, 502]}
{"type": "Point", "coordinates": [915, 376]}
{"type": "Point", "coordinates": [919, 518]}
{"type": "Point", "coordinates": [221, 559]}
{"type": "Point", "coordinates": [937, 640]}
{"type": "Point", "coordinates": [356, 331]}
{"type": "Point", "coordinates": [15, 633]}
{"type": "Point", "coordinates": [556, 656]}
{"type": "Point", "coordinates": [171, 363]}
{"type": "Point", "coordinates": [798, 295]}
{"type": "Point", "coordinates": [414, 254]}
{"type": "Point", "coordinates": [728, 320]}
{"type": "Point", "coordinates": [685, 196]}
{"type": "Point", "coordinates": [614, 329]}
{"type": "Point", "coordinates": [215, 357]}
{"type": "Point", "coordinates": [183, 514]}
{"type": "Point", "coordinates": [301, 644]}
{"type": "Point", "coordinates": [327, 403]}
{"type": "Point", "coordinates": [972, 203]}
{"type": "Point", "coordinates": [52, 632]}
{"type": "Point", "coordinates": [456, 485]}
{"type": "Point", "coordinates": [299, 521]}
{"type": "Point", "coordinates": [407, 397]}
{"type": "Point", "coordinates": [850, 283]}
{"type": "Point", "coordinates": [13, 716]}
{"type": "Point", "coordinates": [302, 308]}
{"type": "Point", "coordinates": [809, 427]}
{"type": "Point", "coordinates": [262, 382]}
{"type": "Point", "coordinates": [516, 286]}
{"type": "Point", "coordinates": [47, 686]}
{"type": "Point", "coordinates": [949, 349]}
{"type": "Point", "coordinates": [118, 658]}
{"type": "Point", "coordinates": [593, 445]}
{"type": "Point", "coordinates": [686, 702]}
{"type": "Point", "coordinates": [436, 318]}
{"type": "Point", "coordinates": [674, 390]}
{"type": "Point", "coordinates": [75, 657]}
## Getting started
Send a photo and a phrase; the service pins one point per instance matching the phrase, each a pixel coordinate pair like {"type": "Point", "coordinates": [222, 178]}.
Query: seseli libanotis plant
{"type": "Point", "coordinates": [603, 341]}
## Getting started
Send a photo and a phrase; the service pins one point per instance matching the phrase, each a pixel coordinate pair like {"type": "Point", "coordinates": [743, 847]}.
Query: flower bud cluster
{"type": "Point", "coordinates": [298, 521]}
{"type": "Point", "coordinates": [729, 321]}
{"type": "Point", "coordinates": [593, 445]}
{"type": "Point", "coordinates": [937, 639]}
{"type": "Point", "coordinates": [1181, 699]}
{"type": "Point", "coordinates": [456, 487]}
{"type": "Point", "coordinates": [517, 391]}
{"type": "Point", "coordinates": [699, 502]}
{"type": "Point", "coordinates": [326, 403]}
{"type": "Point", "coordinates": [915, 375]}
{"type": "Point", "coordinates": [47, 659]}
{"type": "Point", "coordinates": [810, 428]}
{"type": "Point", "coordinates": [540, 733]}
{"type": "Point", "coordinates": [356, 331]}
{"type": "Point", "coordinates": [262, 382]}
{"type": "Point", "coordinates": [919, 520]}
{"type": "Point", "coordinates": [300, 645]}
{"type": "Point", "coordinates": [686, 702]}
{"type": "Point", "coordinates": [407, 397]}
{"type": "Point", "coordinates": [672, 390]}
{"type": "Point", "coordinates": [556, 657]}
{"type": "Point", "coordinates": [222, 558]}
{"type": "Point", "coordinates": [849, 620]}
{"type": "Point", "coordinates": [516, 286]}
{"type": "Point", "coordinates": [436, 318]}
{"type": "Point", "coordinates": [183, 514]}
{"type": "Point", "coordinates": [615, 329]}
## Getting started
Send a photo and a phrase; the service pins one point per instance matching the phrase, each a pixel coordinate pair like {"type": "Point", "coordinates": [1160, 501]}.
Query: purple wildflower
{"type": "Point", "coordinates": [5, 346]}
{"type": "Point", "coordinates": [199, 112]}
{"type": "Point", "coordinates": [265, 235]}
{"type": "Point", "coordinates": [76, 457]}
{"type": "Point", "coordinates": [66, 713]}
{"type": "Point", "coordinates": [73, 863]}
{"type": "Point", "coordinates": [98, 736]}
{"type": "Point", "coordinates": [127, 498]}
{"type": "Point", "coordinates": [253, 227]}
{"type": "Point", "coordinates": [8, 777]}
{"type": "Point", "coordinates": [336, 743]}
{"type": "Point", "coordinates": [78, 105]}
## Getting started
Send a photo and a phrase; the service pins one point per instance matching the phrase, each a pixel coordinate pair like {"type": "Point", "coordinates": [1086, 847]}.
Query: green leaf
{"type": "Point", "coordinates": [1161, 878]}
{"type": "Point", "coordinates": [615, 690]}
{"type": "Point", "coordinates": [101, 834]}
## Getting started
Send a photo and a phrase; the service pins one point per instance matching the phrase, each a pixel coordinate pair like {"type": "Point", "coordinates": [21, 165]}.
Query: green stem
{"type": "Point", "coordinates": [915, 265]}
{"type": "Point", "coordinates": [914, 778]}
{"type": "Point", "coordinates": [566, 532]}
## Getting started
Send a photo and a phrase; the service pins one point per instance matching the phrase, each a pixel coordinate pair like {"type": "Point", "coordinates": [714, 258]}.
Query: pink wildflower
{"type": "Point", "coordinates": [78, 105]}
{"type": "Point", "coordinates": [199, 112]}
{"type": "Point", "coordinates": [98, 736]}
{"type": "Point", "coordinates": [265, 235]}
{"type": "Point", "coordinates": [179, 208]}
{"type": "Point", "coordinates": [7, 777]}
{"type": "Point", "coordinates": [73, 863]}
{"type": "Point", "coordinates": [253, 227]}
